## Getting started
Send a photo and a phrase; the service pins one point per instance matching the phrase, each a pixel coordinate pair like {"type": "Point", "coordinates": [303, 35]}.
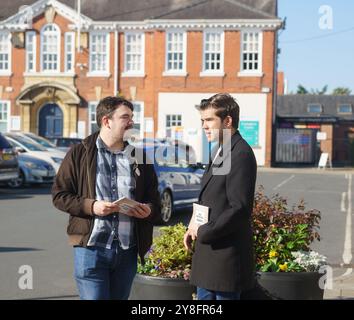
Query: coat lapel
{"type": "Point", "coordinates": [208, 174]}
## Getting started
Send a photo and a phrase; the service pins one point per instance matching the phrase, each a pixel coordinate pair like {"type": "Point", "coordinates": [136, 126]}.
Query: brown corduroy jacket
{"type": "Point", "coordinates": [73, 192]}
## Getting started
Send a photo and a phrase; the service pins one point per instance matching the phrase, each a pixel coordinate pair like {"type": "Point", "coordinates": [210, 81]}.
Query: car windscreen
{"type": "Point", "coordinates": [43, 142]}
{"type": "Point", "coordinates": [32, 146]}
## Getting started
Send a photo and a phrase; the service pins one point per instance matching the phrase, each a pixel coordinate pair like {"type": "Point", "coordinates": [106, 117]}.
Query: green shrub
{"type": "Point", "coordinates": [167, 256]}
{"type": "Point", "coordinates": [279, 232]}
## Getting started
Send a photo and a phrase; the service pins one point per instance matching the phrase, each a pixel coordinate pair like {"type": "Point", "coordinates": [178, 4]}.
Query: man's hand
{"type": "Point", "coordinates": [189, 237]}
{"type": "Point", "coordinates": [104, 208]}
{"type": "Point", "coordinates": [140, 211]}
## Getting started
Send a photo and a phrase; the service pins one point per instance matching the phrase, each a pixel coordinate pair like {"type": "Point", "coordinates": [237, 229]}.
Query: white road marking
{"type": "Point", "coordinates": [284, 182]}
{"type": "Point", "coordinates": [316, 191]}
{"type": "Point", "coordinates": [342, 204]}
{"type": "Point", "coordinates": [347, 253]}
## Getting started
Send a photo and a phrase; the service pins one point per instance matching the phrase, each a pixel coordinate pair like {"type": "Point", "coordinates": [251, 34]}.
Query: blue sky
{"type": "Point", "coordinates": [327, 60]}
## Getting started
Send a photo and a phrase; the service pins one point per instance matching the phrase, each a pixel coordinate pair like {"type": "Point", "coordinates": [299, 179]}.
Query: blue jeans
{"type": "Point", "coordinates": [104, 274]}
{"type": "Point", "coordinates": [205, 294]}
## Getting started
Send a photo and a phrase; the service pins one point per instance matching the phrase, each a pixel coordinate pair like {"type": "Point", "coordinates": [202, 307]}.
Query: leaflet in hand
{"type": "Point", "coordinates": [125, 204]}
{"type": "Point", "coordinates": [200, 215]}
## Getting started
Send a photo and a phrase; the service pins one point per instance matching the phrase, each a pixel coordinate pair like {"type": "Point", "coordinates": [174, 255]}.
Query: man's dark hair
{"type": "Point", "coordinates": [225, 105]}
{"type": "Point", "coordinates": [108, 105]}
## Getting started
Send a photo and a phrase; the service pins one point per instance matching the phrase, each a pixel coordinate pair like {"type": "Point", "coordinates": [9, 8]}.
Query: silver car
{"type": "Point", "coordinates": [33, 171]}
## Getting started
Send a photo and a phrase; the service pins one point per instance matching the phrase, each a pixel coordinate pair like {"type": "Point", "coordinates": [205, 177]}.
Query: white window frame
{"type": "Point", "coordinates": [58, 33]}
{"type": "Point", "coordinates": [8, 71]}
{"type": "Point", "coordinates": [176, 72]}
{"type": "Point", "coordinates": [141, 120]}
{"type": "Point", "coordinates": [8, 104]}
{"type": "Point", "coordinates": [134, 73]}
{"type": "Point", "coordinates": [259, 71]}
{"type": "Point", "coordinates": [90, 104]}
{"type": "Point", "coordinates": [173, 114]}
{"type": "Point", "coordinates": [214, 73]}
{"type": "Point", "coordinates": [345, 104]}
{"type": "Point", "coordinates": [315, 104]}
{"type": "Point", "coordinates": [99, 73]}
{"type": "Point", "coordinates": [34, 51]}
{"type": "Point", "coordinates": [71, 52]}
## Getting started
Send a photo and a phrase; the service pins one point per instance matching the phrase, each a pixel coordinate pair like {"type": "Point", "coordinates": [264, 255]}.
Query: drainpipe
{"type": "Point", "coordinates": [275, 96]}
{"type": "Point", "coordinates": [115, 87]}
{"type": "Point", "coordinates": [79, 27]}
{"type": "Point", "coordinates": [274, 93]}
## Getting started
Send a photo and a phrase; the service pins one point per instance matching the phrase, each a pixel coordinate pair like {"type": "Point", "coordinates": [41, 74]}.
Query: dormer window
{"type": "Point", "coordinates": [314, 108]}
{"type": "Point", "coordinates": [345, 108]}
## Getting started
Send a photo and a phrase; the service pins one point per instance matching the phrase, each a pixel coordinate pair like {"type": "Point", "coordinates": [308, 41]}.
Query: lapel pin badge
{"type": "Point", "coordinates": [136, 168]}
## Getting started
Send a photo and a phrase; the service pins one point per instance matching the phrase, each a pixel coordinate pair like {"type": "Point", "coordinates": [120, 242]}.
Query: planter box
{"type": "Point", "coordinates": [291, 285]}
{"type": "Point", "coordinates": [158, 288]}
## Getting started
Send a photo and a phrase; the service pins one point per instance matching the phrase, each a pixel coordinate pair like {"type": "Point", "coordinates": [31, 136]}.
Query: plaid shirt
{"type": "Point", "coordinates": [114, 180]}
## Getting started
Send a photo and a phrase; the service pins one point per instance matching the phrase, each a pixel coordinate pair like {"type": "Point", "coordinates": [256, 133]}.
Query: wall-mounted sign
{"type": "Point", "coordinates": [250, 132]}
{"type": "Point", "coordinates": [321, 136]}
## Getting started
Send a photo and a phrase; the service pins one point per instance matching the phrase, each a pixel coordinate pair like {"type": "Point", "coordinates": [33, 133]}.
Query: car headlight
{"type": "Point", "coordinates": [32, 165]}
{"type": "Point", "coordinates": [57, 160]}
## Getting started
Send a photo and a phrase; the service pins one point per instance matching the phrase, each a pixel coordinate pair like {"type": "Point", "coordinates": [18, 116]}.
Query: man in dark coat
{"type": "Point", "coordinates": [223, 259]}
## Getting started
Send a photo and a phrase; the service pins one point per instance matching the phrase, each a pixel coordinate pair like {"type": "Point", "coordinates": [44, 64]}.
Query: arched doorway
{"type": "Point", "coordinates": [50, 121]}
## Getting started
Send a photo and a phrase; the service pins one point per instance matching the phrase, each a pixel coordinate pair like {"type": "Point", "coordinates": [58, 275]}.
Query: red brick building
{"type": "Point", "coordinates": [58, 58]}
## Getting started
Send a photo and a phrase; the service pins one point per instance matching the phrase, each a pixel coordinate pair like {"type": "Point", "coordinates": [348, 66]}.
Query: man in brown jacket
{"type": "Point", "coordinates": [94, 174]}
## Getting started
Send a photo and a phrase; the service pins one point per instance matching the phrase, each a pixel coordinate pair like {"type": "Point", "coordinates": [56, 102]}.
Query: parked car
{"type": "Point", "coordinates": [64, 144]}
{"type": "Point", "coordinates": [179, 182]}
{"type": "Point", "coordinates": [180, 146]}
{"type": "Point", "coordinates": [33, 171]}
{"type": "Point", "coordinates": [9, 168]}
{"type": "Point", "coordinates": [34, 149]}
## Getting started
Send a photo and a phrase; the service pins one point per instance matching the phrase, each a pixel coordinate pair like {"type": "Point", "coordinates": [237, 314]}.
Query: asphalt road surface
{"type": "Point", "coordinates": [33, 238]}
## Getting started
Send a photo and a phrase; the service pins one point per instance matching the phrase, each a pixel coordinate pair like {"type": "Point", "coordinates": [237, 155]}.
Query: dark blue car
{"type": "Point", "coordinates": [179, 181]}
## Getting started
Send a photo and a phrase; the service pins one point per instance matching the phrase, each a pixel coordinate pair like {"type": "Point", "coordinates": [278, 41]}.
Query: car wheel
{"type": "Point", "coordinates": [166, 206]}
{"type": "Point", "coordinates": [18, 182]}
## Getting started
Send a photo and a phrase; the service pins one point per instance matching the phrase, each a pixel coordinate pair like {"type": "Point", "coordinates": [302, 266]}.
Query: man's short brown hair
{"type": "Point", "coordinates": [108, 105]}
{"type": "Point", "coordinates": [225, 105]}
